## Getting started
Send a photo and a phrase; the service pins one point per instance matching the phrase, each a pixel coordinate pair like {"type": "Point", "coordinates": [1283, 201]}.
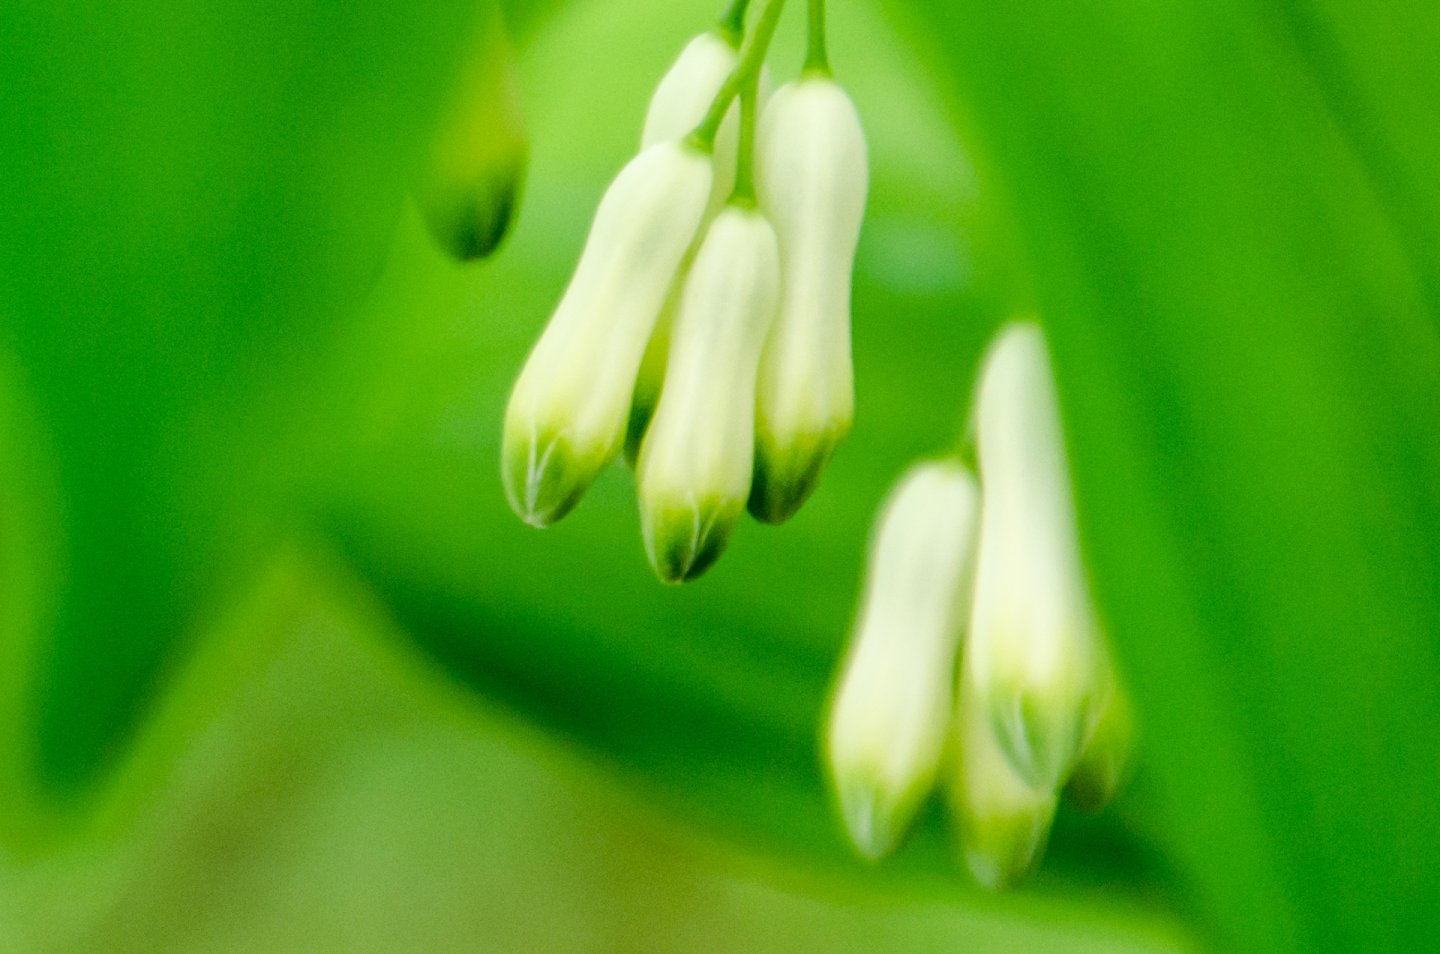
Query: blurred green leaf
{"type": "Point", "coordinates": [194, 194]}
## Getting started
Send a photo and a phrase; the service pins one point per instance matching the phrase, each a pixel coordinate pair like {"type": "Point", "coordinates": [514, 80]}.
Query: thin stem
{"type": "Point", "coordinates": [745, 164]}
{"type": "Point", "coordinates": [752, 57]}
{"type": "Point", "coordinates": [732, 22]}
{"type": "Point", "coordinates": [817, 59]}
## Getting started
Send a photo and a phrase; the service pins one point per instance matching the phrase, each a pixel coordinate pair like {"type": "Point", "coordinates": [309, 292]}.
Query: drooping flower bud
{"type": "Point", "coordinates": [891, 713]}
{"type": "Point", "coordinates": [812, 178]}
{"type": "Point", "coordinates": [683, 98]}
{"type": "Point", "coordinates": [1002, 821]}
{"type": "Point", "coordinates": [680, 102]}
{"type": "Point", "coordinates": [1032, 656]}
{"type": "Point", "coordinates": [696, 460]}
{"type": "Point", "coordinates": [471, 184]}
{"type": "Point", "coordinates": [567, 414]}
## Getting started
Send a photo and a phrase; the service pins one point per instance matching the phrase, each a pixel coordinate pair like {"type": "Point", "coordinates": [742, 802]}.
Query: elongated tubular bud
{"type": "Point", "coordinates": [1032, 656]}
{"type": "Point", "coordinates": [567, 413]}
{"type": "Point", "coordinates": [695, 463]}
{"type": "Point", "coordinates": [680, 102]}
{"type": "Point", "coordinates": [812, 177]}
{"type": "Point", "coordinates": [471, 184]}
{"type": "Point", "coordinates": [891, 711]}
{"type": "Point", "coordinates": [1001, 820]}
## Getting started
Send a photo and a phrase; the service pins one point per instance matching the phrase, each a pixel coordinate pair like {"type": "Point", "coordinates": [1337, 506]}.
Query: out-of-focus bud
{"type": "Point", "coordinates": [567, 414]}
{"type": "Point", "coordinates": [696, 460]}
{"type": "Point", "coordinates": [1105, 760]}
{"type": "Point", "coordinates": [471, 184]}
{"type": "Point", "coordinates": [1032, 656]}
{"type": "Point", "coordinates": [1002, 821]}
{"type": "Point", "coordinates": [891, 712]}
{"type": "Point", "coordinates": [812, 176]}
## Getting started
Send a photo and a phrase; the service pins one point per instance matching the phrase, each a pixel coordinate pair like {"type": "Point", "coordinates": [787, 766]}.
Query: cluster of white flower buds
{"type": "Point", "coordinates": [1034, 707]}
{"type": "Point", "coordinates": [707, 325]}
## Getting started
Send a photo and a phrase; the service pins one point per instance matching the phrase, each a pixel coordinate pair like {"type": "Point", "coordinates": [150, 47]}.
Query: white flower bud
{"type": "Point", "coordinates": [683, 98]}
{"type": "Point", "coordinates": [1033, 639]}
{"type": "Point", "coordinates": [695, 463]}
{"type": "Point", "coordinates": [568, 412]}
{"type": "Point", "coordinates": [680, 103]}
{"type": "Point", "coordinates": [1002, 821]}
{"type": "Point", "coordinates": [812, 176]}
{"type": "Point", "coordinates": [891, 713]}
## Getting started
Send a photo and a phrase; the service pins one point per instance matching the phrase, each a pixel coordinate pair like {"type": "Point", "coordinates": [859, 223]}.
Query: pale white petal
{"type": "Point", "coordinates": [567, 413]}
{"type": "Point", "coordinates": [812, 178]}
{"type": "Point", "coordinates": [891, 712]}
{"type": "Point", "coordinates": [1033, 645]}
{"type": "Point", "coordinates": [696, 459]}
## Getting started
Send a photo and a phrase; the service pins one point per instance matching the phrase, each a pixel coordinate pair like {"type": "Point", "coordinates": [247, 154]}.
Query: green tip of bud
{"type": "Point", "coordinates": [1003, 850]}
{"type": "Point", "coordinates": [684, 539]}
{"type": "Point", "coordinates": [872, 820]}
{"type": "Point", "coordinates": [470, 222]}
{"type": "Point", "coordinates": [543, 477]}
{"type": "Point", "coordinates": [786, 476]}
{"type": "Point", "coordinates": [1040, 733]}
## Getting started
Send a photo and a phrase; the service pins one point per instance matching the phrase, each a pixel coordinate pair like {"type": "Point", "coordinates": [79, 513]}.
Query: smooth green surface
{"type": "Point", "coordinates": [215, 338]}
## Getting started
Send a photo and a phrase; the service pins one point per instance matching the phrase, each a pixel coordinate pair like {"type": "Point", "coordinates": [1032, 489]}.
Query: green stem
{"type": "Point", "coordinates": [817, 59]}
{"type": "Point", "coordinates": [752, 57]}
{"type": "Point", "coordinates": [744, 193]}
{"type": "Point", "coordinates": [732, 23]}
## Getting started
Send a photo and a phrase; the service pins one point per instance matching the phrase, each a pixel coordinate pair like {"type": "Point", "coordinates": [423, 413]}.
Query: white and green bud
{"type": "Point", "coordinates": [1033, 652]}
{"type": "Point", "coordinates": [891, 712]}
{"type": "Point", "coordinates": [681, 101]}
{"type": "Point", "coordinates": [696, 459]}
{"type": "Point", "coordinates": [812, 176]}
{"type": "Point", "coordinates": [1002, 821]}
{"type": "Point", "coordinates": [568, 412]}
{"type": "Point", "coordinates": [683, 98]}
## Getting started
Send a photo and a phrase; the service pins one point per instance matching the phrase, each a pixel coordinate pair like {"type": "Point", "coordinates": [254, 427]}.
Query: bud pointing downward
{"type": "Point", "coordinates": [695, 463]}
{"type": "Point", "coordinates": [812, 178]}
{"type": "Point", "coordinates": [892, 709]}
{"type": "Point", "coordinates": [1032, 657]}
{"type": "Point", "coordinates": [567, 414]}
{"type": "Point", "coordinates": [680, 103]}
{"type": "Point", "coordinates": [1002, 819]}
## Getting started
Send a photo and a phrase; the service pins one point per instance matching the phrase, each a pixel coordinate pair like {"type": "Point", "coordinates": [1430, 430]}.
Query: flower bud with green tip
{"type": "Point", "coordinates": [812, 177]}
{"type": "Point", "coordinates": [1032, 656]}
{"type": "Point", "coordinates": [1104, 762]}
{"type": "Point", "coordinates": [471, 183]}
{"type": "Point", "coordinates": [1001, 820]}
{"type": "Point", "coordinates": [695, 463]}
{"type": "Point", "coordinates": [680, 102]}
{"type": "Point", "coordinates": [891, 712]}
{"type": "Point", "coordinates": [568, 411]}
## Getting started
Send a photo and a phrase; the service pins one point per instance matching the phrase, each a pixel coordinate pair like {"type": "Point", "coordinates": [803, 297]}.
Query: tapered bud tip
{"type": "Point", "coordinates": [786, 474]}
{"type": "Point", "coordinates": [1002, 850]}
{"type": "Point", "coordinates": [873, 820]}
{"type": "Point", "coordinates": [1040, 731]}
{"type": "Point", "coordinates": [470, 221]}
{"type": "Point", "coordinates": [684, 537]}
{"type": "Point", "coordinates": [544, 477]}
